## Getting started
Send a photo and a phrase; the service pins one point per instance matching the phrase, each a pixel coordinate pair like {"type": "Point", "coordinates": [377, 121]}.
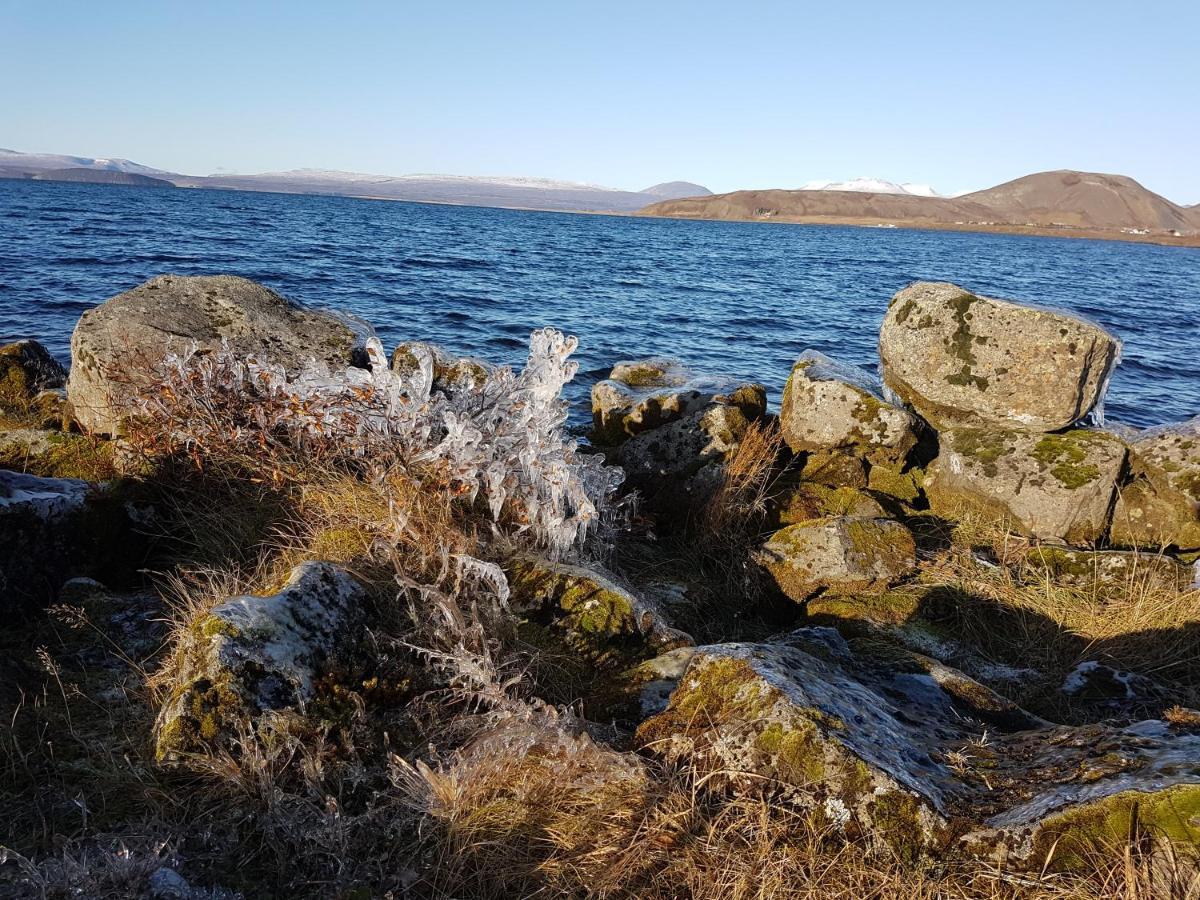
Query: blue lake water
{"type": "Point", "coordinates": [735, 298]}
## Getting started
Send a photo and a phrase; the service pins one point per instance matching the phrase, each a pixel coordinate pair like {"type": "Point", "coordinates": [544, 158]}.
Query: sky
{"type": "Point", "coordinates": [731, 95]}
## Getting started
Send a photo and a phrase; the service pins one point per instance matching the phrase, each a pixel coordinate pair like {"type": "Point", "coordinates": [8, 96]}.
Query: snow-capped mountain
{"type": "Point", "coordinates": [39, 162]}
{"type": "Point", "coordinates": [872, 186]}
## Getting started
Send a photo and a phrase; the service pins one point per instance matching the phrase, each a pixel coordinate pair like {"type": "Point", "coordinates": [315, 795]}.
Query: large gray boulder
{"type": "Point", "coordinates": [960, 359]}
{"type": "Point", "coordinates": [1160, 506]}
{"type": "Point", "coordinates": [118, 345]}
{"type": "Point", "coordinates": [828, 405]}
{"type": "Point", "coordinates": [1051, 486]}
{"type": "Point", "coordinates": [641, 395]}
{"type": "Point", "coordinates": [917, 758]}
{"type": "Point", "coordinates": [839, 555]}
{"type": "Point", "coordinates": [253, 655]}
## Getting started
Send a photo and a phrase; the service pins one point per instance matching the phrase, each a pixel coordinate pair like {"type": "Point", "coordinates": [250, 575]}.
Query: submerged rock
{"type": "Point", "coordinates": [960, 359]}
{"type": "Point", "coordinates": [252, 655]}
{"type": "Point", "coordinates": [603, 618]}
{"type": "Point", "coordinates": [1161, 505]}
{"type": "Point", "coordinates": [917, 758]}
{"type": "Point", "coordinates": [1051, 486]}
{"type": "Point", "coordinates": [831, 406]}
{"type": "Point", "coordinates": [117, 345]}
{"type": "Point", "coordinates": [646, 394]}
{"type": "Point", "coordinates": [839, 555]}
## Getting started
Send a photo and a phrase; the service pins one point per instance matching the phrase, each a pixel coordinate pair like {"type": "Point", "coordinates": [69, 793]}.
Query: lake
{"type": "Point", "coordinates": [741, 299]}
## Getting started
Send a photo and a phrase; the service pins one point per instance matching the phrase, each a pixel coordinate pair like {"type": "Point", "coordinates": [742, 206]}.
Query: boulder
{"type": "Point", "coordinates": [29, 380]}
{"type": "Point", "coordinates": [838, 555]}
{"type": "Point", "coordinates": [645, 394]}
{"type": "Point", "coordinates": [960, 359]}
{"type": "Point", "coordinates": [1055, 487]}
{"type": "Point", "coordinates": [605, 620]}
{"type": "Point", "coordinates": [828, 405]}
{"type": "Point", "coordinates": [1160, 506]}
{"type": "Point", "coordinates": [835, 469]}
{"type": "Point", "coordinates": [917, 759]}
{"type": "Point", "coordinates": [254, 655]}
{"type": "Point", "coordinates": [44, 531]}
{"type": "Point", "coordinates": [117, 346]}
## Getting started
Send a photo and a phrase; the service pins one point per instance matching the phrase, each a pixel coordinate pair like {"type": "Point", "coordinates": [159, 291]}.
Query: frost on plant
{"type": "Point", "coordinates": [503, 442]}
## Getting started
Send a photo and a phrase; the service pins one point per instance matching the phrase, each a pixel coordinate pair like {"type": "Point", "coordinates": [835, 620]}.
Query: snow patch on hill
{"type": "Point", "coordinates": [872, 186]}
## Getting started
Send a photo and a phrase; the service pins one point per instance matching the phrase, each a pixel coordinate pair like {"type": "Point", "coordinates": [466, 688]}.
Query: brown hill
{"type": "Point", "coordinates": [829, 206]}
{"type": "Point", "coordinates": [1064, 202]}
{"type": "Point", "coordinates": [1083, 200]}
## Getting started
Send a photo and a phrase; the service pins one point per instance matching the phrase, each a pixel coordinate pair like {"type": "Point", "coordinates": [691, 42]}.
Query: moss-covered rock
{"type": "Point", "coordinates": [906, 485]}
{"type": "Point", "coordinates": [806, 500]}
{"type": "Point", "coordinates": [838, 555]}
{"type": "Point", "coordinates": [1109, 572]}
{"type": "Point", "coordinates": [832, 406]}
{"type": "Point", "coordinates": [30, 382]}
{"type": "Point", "coordinates": [58, 454]}
{"type": "Point", "coordinates": [679, 450]}
{"type": "Point", "coordinates": [643, 395]}
{"type": "Point", "coordinates": [252, 655]}
{"type": "Point", "coordinates": [1161, 504]}
{"type": "Point", "coordinates": [915, 757]}
{"type": "Point", "coordinates": [1051, 486]}
{"type": "Point", "coordinates": [960, 359]}
{"type": "Point", "coordinates": [835, 469]}
{"type": "Point", "coordinates": [608, 623]}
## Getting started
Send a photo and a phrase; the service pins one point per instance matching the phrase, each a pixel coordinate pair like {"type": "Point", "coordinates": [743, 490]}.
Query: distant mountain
{"type": "Point", "coordinates": [1063, 202]}
{"type": "Point", "coordinates": [872, 186]}
{"type": "Point", "coordinates": [100, 176]}
{"type": "Point", "coordinates": [40, 162]}
{"type": "Point", "coordinates": [673, 190]}
{"type": "Point", "coordinates": [466, 190]}
{"type": "Point", "coordinates": [1083, 200]}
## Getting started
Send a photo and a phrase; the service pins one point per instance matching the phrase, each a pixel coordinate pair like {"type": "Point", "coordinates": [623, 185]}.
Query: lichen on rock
{"type": "Point", "coordinates": [829, 405]}
{"type": "Point", "coordinates": [1050, 486]}
{"type": "Point", "coordinates": [1160, 506]}
{"type": "Point", "coordinates": [838, 555]}
{"type": "Point", "coordinates": [965, 360]}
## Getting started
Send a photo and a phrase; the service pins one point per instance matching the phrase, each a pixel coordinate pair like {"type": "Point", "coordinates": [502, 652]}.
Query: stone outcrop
{"type": "Point", "coordinates": [609, 622]}
{"type": "Point", "coordinates": [807, 500]}
{"type": "Point", "coordinates": [683, 447]}
{"type": "Point", "coordinates": [838, 555]}
{"type": "Point", "coordinates": [1160, 506]}
{"type": "Point", "coordinates": [642, 395]}
{"type": "Point", "coordinates": [254, 655]}
{"type": "Point", "coordinates": [963, 360]}
{"type": "Point", "coordinates": [117, 345]}
{"type": "Point", "coordinates": [889, 746]}
{"type": "Point", "coordinates": [1050, 486]}
{"type": "Point", "coordinates": [831, 406]}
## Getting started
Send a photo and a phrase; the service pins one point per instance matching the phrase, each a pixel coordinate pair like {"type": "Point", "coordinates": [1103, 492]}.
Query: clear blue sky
{"type": "Point", "coordinates": [731, 94]}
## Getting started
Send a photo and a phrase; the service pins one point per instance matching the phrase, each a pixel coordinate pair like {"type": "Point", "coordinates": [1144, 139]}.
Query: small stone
{"type": "Point", "coordinates": [964, 360]}
{"type": "Point", "coordinates": [839, 555]}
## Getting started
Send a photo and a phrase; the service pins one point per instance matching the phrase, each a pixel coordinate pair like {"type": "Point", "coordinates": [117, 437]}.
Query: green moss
{"type": "Point", "coordinates": [796, 752]}
{"type": "Point", "coordinates": [906, 486]}
{"type": "Point", "coordinates": [341, 545]}
{"type": "Point", "coordinates": [905, 311]}
{"type": "Point", "coordinates": [896, 816]}
{"type": "Point", "coordinates": [1066, 454]}
{"type": "Point", "coordinates": [1078, 835]}
{"type": "Point", "coordinates": [983, 446]}
{"type": "Point", "coordinates": [960, 343]}
{"type": "Point", "coordinates": [642, 375]}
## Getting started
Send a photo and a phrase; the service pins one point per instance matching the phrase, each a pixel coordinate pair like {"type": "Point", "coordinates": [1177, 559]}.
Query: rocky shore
{"type": "Point", "coordinates": [306, 618]}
